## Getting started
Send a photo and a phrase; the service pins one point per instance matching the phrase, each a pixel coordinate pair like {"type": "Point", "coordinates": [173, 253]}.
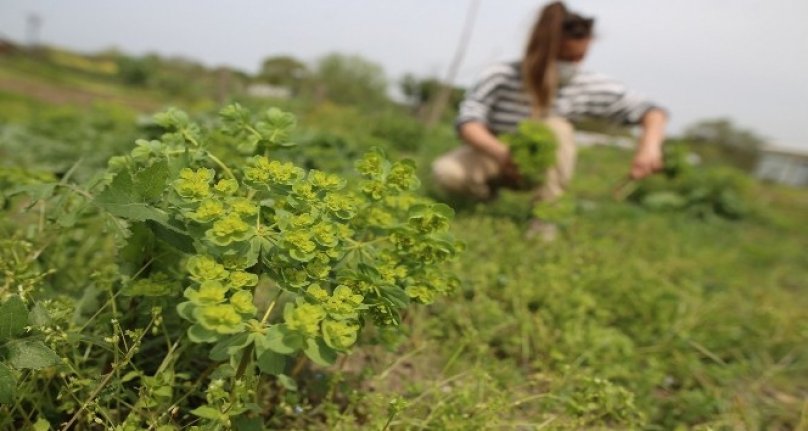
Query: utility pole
{"type": "Point", "coordinates": [33, 23]}
{"type": "Point", "coordinates": [442, 99]}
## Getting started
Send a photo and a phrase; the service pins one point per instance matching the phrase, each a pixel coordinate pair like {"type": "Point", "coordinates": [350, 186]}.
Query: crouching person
{"type": "Point", "coordinates": [546, 85]}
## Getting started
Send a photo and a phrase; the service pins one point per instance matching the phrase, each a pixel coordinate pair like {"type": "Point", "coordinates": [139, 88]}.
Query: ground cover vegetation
{"type": "Point", "coordinates": [198, 270]}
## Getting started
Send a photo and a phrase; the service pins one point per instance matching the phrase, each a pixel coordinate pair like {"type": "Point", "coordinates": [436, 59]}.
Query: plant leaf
{"type": "Point", "coordinates": [206, 412]}
{"type": "Point", "coordinates": [319, 352]}
{"type": "Point", "coordinates": [42, 424]}
{"type": "Point", "coordinates": [38, 315]}
{"type": "Point", "coordinates": [243, 423]}
{"type": "Point", "coordinates": [229, 346]}
{"type": "Point", "coordinates": [121, 199]}
{"type": "Point", "coordinates": [13, 318]}
{"type": "Point", "coordinates": [150, 183]}
{"type": "Point", "coordinates": [395, 296]}
{"type": "Point", "coordinates": [172, 236]}
{"type": "Point", "coordinates": [272, 362]}
{"type": "Point", "coordinates": [280, 339]}
{"type": "Point", "coordinates": [32, 355]}
{"type": "Point", "coordinates": [186, 310]}
{"type": "Point", "coordinates": [7, 385]}
{"type": "Point", "coordinates": [287, 382]}
{"type": "Point", "coordinates": [198, 334]}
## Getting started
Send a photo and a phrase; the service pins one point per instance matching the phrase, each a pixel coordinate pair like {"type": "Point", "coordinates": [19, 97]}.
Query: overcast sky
{"type": "Point", "coordinates": [744, 59]}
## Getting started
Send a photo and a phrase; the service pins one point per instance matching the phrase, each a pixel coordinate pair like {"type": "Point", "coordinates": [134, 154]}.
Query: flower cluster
{"type": "Point", "coordinates": [194, 185]}
{"type": "Point", "coordinates": [338, 254]}
{"type": "Point", "coordinates": [220, 300]}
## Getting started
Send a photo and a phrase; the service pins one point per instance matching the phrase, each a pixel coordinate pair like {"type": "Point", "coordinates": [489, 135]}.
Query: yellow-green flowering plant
{"type": "Point", "coordinates": [337, 255]}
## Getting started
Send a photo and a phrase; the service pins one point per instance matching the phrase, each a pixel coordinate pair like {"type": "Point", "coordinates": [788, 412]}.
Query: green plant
{"type": "Point", "coordinates": [341, 259]}
{"type": "Point", "coordinates": [721, 140]}
{"type": "Point", "coordinates": [19, 351]}
{"type": "Point", "coordinates": [328, 258]}
{"type": "Point", "coordinates": [706, 192]}
{"type": "Point", "coordinates": [533, 147]}
{"type": "Point", "coordinates": [401, 131]}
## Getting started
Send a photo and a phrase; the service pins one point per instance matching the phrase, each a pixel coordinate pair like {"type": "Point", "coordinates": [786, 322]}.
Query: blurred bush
{"type": "Point", "coordinates": [284, 71]}
{"type": "Point", "coordinates": [705, 191]}
{"type": "Point", "coordinates": [350, 79]}
{"type": "Point", "coordinates": [720, 140]}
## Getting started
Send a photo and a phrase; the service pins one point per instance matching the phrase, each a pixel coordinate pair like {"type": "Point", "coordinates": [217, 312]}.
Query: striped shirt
{"type": "Point", "coordinates": [499, 100]}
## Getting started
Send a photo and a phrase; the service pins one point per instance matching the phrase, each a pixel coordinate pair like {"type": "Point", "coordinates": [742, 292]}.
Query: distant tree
{"type": "Point", "coordinates": [351, 80]}
{"type": "Point", "coordinates": [420, 92]}
{"type": "Point", "coordinates": [136, 71]}
{"type": "Point", "coordinates": [283, 71]}
{"type": "Point", "coordinates": [733, 144]}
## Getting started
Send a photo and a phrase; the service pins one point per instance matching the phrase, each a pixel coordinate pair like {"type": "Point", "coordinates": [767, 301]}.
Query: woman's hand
{"type": "Point", "coordinates": [479, 137]}
{"type": "Point", "coordinates": [648, 158]}
{"type": "Point", "coordinates": [647, 161]}
{"type": "Point", "coordinates": [510, 172]}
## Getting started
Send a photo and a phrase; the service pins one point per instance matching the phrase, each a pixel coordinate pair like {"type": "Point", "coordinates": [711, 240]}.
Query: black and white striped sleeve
{"type": "Point", "coordinates": [479, 99]}
{"type": "Point", "coordinates": [602, 97]}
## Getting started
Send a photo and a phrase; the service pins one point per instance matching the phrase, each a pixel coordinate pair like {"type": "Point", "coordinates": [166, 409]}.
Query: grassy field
{"type": "Point", "coordinates": [631, 319]}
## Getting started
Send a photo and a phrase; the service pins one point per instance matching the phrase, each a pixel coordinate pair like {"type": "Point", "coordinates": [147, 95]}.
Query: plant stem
{"type": "Point", "coordinates": [245, 360]}
{"type": "Point", "coordinates": [190, 138]}
{"type": "Point", "coordinates": [215, 159]}
{"type": "Point", "coordinates": [301, 361]}
{"type": "Point", "coordinates": [196, 384]}
{"type": "Point", "coordinates": [271, 306]}
{"type": "Point", "coordinates": [252, 130]}
{"type": "Point", "coordinates": [108, 377]}
{"type": "Point", "coordinates": [389, 421]}
{"type": "Point", "coordinates": [246, 357]}
{"type": "Point", "coordinates": [221, 165]}
{"type": "Point", "coordinates": [75, 189]}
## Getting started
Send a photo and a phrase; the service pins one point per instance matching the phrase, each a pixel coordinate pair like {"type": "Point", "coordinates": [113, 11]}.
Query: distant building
{"type": "Point", "coordinates": [785, 166]}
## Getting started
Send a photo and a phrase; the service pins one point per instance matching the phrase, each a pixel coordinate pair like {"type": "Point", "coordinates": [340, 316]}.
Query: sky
{"type": "Point", "coordinates": [742, 59]}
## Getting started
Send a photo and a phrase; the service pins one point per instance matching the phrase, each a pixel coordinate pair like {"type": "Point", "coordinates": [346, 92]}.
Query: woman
{"type": "Point", "coordinates": [546, 84]}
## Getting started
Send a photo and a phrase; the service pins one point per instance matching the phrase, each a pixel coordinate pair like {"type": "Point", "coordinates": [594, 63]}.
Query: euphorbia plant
{"type": "Point", "coordinates": [337, 256]}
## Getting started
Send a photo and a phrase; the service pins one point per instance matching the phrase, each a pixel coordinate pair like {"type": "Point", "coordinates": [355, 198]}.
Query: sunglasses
{"type": "Point", "coordinates": [577, 27]}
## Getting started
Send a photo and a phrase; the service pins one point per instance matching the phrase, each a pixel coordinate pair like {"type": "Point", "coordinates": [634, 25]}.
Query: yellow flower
{"type": "Point", "coordinates": [207, 210]}
{"type": "Point", "coordinates": [340, 334]}
{"type": "Point", "coordinates": [304, 318]}
{"type": "Point", "coordinates": [244, 206]}
{"type": "Point", "coordinates": [194, 184]}
{"type": "Point", "coordinates": [210, 292]}
{"type": "Point", "coordinates": [228, 229]}
{"type": "Point", "coordinates": [240, 279]}
{"type": "Point", "coordinates": [226, 186]}
{"type": "Point", "coordinates": [205, 268]}
{"type": "Point", "coordinates": [317, 292]}
{"type": "Point", "coordinates": [242, 301]}
{"type": "Point", "coordinates": [221, 318]}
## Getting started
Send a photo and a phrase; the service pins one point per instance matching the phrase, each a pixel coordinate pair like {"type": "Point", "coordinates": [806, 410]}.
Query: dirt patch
{"type": "Point", "coordinates": [60, 95]}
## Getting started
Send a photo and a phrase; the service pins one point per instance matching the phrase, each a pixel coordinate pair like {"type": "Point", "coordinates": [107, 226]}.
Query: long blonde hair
{"type": "Point", "coordinates": [539, 74]}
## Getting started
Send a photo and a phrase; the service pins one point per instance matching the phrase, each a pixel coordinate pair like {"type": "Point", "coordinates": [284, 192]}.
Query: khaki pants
{"type": "Point", "coordinates": [469, 172]}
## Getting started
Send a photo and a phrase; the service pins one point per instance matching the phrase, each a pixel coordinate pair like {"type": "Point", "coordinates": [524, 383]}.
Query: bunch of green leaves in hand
{"type": "Point", "coordinates": [533, 147]}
